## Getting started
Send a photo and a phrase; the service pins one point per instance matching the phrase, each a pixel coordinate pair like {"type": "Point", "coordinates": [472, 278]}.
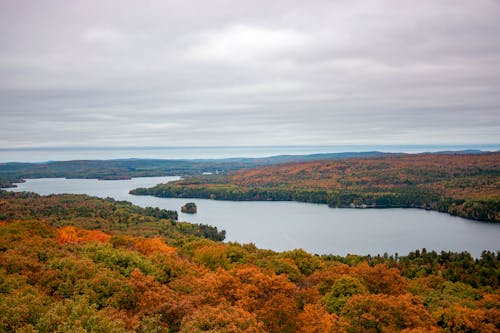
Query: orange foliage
{"type": "Point", "coordinates": [383, 172]}
{"type": "Point", "coordinates": [94, 236]}
{"type": "Point", "coordinates": [382, 279]}
{"type": "Point", "coordinates": [149, 246]}
{"type": "Point", "coordinates": [67, 235]}
{"type": "Point", "coordinates": [461, 319]}
{"type": "Point", "coordinates": [204, 291]}
{"type": "Point", "coordinates": [490, 301]}
{"type": "Point", "coordinates": [71, 234]}
{"type": "Point", "coordinates": [222, 318]}
{"type": "Point", "coordinates": [314, 319]}
{"type": "Point", "coordinates": [422, 330]}
{"type": "Point", "coordinates": [384, 313]}
{"type": "Point", "coordinates": [324, 279]}
{"type": "Point", "coordinates": [156, 299]}
{"type": "Point", "coordinates": [219, 286]}
{"type": "Point", "coordinates": [271, 297]}
{"type": "Point", "coordinates": [146, 246]}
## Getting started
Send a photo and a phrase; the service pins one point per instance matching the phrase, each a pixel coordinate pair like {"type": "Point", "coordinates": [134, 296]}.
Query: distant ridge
{"type": "Point", "coordinates": [460, 152]}
{"type": "Point", "coordinates": [12, 172]}
{"type": "Point", "coordinates": [300, 158]}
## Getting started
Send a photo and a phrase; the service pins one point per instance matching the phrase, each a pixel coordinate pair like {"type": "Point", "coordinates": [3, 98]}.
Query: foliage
{"type": "Point", "coordinates": [56, 276]}
{"type": "Point", "coordinates": [124, 169]}
{"type": "Point", "coordinates": [385, 313]}
{"type": "Point", "coordinates": [343, 289]}
{"type": "Point", "coordinates": [221, 319]}
{"type": "Point", "coordinates": [189, 208]}
{"type": "Point", "coordinates": [463, 185]}
{"type": "Point", "coordinates": [100, 214]}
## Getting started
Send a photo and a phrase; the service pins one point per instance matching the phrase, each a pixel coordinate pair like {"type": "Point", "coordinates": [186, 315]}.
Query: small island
{"type": "Point", "coordinates": [189, 208]}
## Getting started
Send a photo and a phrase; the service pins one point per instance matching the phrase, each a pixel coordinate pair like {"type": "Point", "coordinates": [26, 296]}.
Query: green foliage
{"type": "Point", "coordinates": [120, 260]}
{"type": "Point", "coordinates": [237, 253]}
{"type": "Point", "coordinates": [450, 293]}
{"type": "Point", "coordinates": [125, 169]}
{"type": "Point", "coordinates": [212, 257]}
{"type": "Point", "coordinates": [110, 169]}
{"type": "Point", "coordinates": [343, 288]}
{"type": "Point", "coordinates": [306, 262]}
{"type": "Point", "coordinates": [103, 214]}
{"type": "Point", "coordinates": [21, 307]}
{"type": "Point", "coordinates": [201, 230]}
{"type": "Point", "coordinates": [457, 267]}
{"type": "Point", "coordinates": [77, 315]}
{"type": "Point", "coordinates": [281, 266]}
{"type": "Point", "coordinates": [31, 228]}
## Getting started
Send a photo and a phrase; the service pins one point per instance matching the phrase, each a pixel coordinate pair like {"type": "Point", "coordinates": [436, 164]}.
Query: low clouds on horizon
{"type": "Point", "coordinates": [159, 73]}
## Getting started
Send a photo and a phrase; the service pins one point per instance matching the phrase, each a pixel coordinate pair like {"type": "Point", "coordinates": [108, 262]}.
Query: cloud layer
{"type": "Point", "coordinates": [159, 73]}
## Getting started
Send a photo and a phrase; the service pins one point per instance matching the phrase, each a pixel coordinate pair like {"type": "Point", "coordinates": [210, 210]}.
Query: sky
{"type": "Point", "coordinates": [231, 72]}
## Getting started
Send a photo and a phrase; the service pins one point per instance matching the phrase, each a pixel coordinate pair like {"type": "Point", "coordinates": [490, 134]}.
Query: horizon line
{"type": "Point", "coordinates": [456, 145]}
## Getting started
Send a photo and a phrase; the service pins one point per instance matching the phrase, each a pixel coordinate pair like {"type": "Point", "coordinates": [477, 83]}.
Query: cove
{"type": "Point", "coordinates": [316, 228]}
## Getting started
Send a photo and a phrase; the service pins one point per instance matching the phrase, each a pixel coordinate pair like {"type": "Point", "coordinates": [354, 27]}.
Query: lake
{"type": "Point", "coordinates": [313, 227]}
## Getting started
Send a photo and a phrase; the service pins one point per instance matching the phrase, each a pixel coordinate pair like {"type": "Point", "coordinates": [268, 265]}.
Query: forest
{"type": "Point", "coordinates": [102, 214]}
{"type": "Point", "coordinates": [73, 263]}
{"type": "Point", "coordinates": [466, 185]}
{"type": "Point", "coordinates": [14, 172]}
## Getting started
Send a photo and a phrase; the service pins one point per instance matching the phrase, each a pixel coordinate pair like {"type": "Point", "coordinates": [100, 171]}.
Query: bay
{"type": "Point", "coordinates": [315, 228]}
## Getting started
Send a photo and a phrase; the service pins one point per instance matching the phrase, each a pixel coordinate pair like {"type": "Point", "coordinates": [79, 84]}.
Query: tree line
{"type": "Point", "coordinates": [461, 185]}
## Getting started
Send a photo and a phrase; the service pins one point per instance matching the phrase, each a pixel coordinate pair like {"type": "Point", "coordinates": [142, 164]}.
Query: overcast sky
{"type": "Point", "coordinates": [160, 73]}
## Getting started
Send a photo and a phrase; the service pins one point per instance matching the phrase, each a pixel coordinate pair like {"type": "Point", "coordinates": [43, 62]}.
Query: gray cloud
{"type": "Point", "coordinates": [248, 72]}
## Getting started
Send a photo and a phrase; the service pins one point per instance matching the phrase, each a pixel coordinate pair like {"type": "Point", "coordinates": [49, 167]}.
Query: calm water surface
{"type": "Point", "coordinates": [313, 227]}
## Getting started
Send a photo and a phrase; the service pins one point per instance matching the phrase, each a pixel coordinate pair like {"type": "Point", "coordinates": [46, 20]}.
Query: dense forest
{"type": "Point", "coordinates": [72, 263]}
{"type": "Point", "coordinates": [13, 172]}
{"type": "Point", "coordinates": [103, 214]}
{"type": "Point", "coordinates": [466, 185]}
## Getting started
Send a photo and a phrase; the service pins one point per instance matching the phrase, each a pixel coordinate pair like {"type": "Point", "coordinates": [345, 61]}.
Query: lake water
{"type": "Point", "coordinates": [315, 228]}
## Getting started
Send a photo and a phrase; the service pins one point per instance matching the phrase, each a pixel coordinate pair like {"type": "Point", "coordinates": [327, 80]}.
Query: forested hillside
{"type": "Point", "coordinates": [466, 185]}
{"type": "Point", "coordinates": [13, 172]}
{"type": "Point", "coordinates": [75, 263]}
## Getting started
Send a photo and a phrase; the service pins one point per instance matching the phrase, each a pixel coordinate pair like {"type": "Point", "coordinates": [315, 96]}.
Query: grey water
{"type": "Point", "coordinates": [315, 228]}
{"type": "Point", "coordinates": [43, 154]}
